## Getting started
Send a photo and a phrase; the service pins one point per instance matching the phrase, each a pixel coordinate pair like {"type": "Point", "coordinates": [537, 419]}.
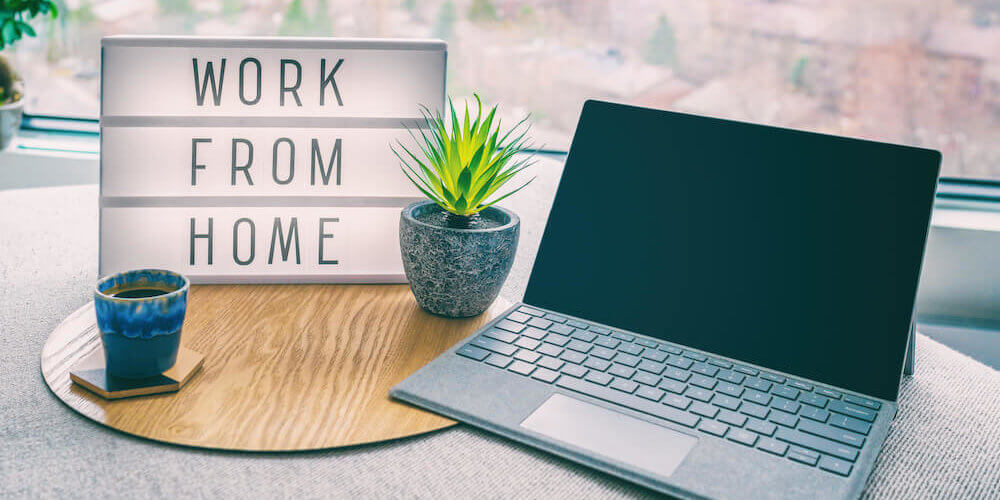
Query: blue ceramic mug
{"type": "Point", "coordinates": [140, 314]}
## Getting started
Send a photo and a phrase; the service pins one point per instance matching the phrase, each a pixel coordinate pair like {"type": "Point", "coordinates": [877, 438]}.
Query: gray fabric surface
{"type": "Point", "coordinates": [945, 442]}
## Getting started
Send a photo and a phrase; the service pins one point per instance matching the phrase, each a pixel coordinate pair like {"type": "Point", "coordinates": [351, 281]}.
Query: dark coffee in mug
{"type": "Point", "coordinates": [139, 293]}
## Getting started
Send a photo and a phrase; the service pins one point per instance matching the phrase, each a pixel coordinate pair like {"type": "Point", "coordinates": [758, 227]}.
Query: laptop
{"type": "Point", "coordinates": [717, 309]}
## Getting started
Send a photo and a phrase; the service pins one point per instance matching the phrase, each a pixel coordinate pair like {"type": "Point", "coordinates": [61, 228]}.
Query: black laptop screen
{"type": "Point", "coordinates": [791, 250]}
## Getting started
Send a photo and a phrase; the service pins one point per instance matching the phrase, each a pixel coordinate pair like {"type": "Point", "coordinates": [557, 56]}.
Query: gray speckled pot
{"type": "Point", "coordinates": [10, 121]}
{"type": "Point", "coordinates": [456, 272]}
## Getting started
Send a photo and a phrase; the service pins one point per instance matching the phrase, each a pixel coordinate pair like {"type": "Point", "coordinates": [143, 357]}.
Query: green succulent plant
{"type": "Point", "coordinates": [462, 169]}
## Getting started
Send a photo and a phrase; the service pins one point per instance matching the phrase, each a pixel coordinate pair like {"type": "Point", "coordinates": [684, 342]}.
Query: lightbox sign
{"type": "Point", "coordinates": [259, 160]}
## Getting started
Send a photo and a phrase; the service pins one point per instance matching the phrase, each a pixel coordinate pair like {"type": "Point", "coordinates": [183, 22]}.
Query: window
{"type": "Point", "coordinates": [924, 73]}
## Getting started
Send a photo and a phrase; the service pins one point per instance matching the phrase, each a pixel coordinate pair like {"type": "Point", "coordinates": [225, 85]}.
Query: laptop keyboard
{"type": "Point", "coordinates": [811, 425]}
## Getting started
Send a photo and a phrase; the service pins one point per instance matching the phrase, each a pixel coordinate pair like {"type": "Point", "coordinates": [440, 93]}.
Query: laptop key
{"type": "Point", "coordinates": [700, 394]}
{"type": "Point", "coordinates": [814, 400]}
{"type": "Point", "coordinates": [708, 371]}
{"type": "Point", "coordinates": [784, 419]}
{"type": "Point", "coordinates": [621, 371]}
{"type": "Point", "coordinates": [676, 374]}
{"type": "Point", "coordinates": [602, 352]}
{"type": "Point", "coordinates": [562, 329]}
{"type": "Point", "coordinates": [758, 384]}
{"type": "Point", "coordinates": [676, 401]}
{"type": "Point", "coordinates": [574, 357]}
{"type": "Point", "coordinates": [720, 363]}
{"type": "Point", "coordinates": [651, 367]}
{"type": "Point", "coordinates": [527, 356]}
{"type": "Point", "coordinates": [550, 350]}
{"type": "Point", "coordinates": [545, 375]}
{"type": "Point", "coordinates": [727, 402]}
{"type": "Point", "coordinates": [814, 414]}
{"type": "Point", "coordinates": [755, 410]}
{"type": "Point", "coordinates": [835, 466]}
{"type": "Point", "coordinates": [714, 428]}
{"type": "Point", "coordinates": [577, 324]}
{"type": "Point", "coordinates": [584, 335]}
{"type": "Point", "coordinates": [731, 377]}
{"type": "Point", "coordinates": [785, 405]}
{"type": "Point", "coordinates": [607, 342]}
{"type": "Point", "coordinates": [599, 329]}
{"type": "Point", "coordinates": [627, 359]}
{"type": "Point", "coordinates": [499, 360]}
{"type": "Point", "coordinates": [673, 386]}
{"type": "Point", "coordinates": [695, 356]}
{"type": "Point", "coordinates": [550, 363]}
{"type": "Point", "coordinates": [785, 392]}
{"type": "Point", "coordinates": [525, 342]}
{"type": "Point", "coordinates": [734, 419]}
{"type": "Point", "coordinates": [555, 338]}
{"type": "Point", "coordinates": [656, 356]}
{"type": "Point", "coordinates": [647, 343]}
{"type": "Point", "coordinates": [862, 401]}
{"type": "Point", "coordinates": [649, 393]}
{"type": "Point", "coordinates": [579, 346]}
{"type": "Point", "coordinates": [800, 385]}
{"type": "Point", "coordinates": [519, 317]}
{"type": "Point", "coordinates": [832, 433]}
{"type": "Point", "coordinates": [705, 410]}
{"type": "Point", "coordinates": [800, 457]}
{"type": "Point", "coordinates": [851, 424]}
{"type": "Point", "coordinates": [828, 393]}
{"type": "Point", "coordinates": [530, 310]}
{"type": "Point", "coordinates": [597, 364]}
{"type": "Point", "coordinates": [729, 389]}
{"type": "Point", "coordinates": [647, 379]}
{"type": "Point", "coordinates": [510, 326]}
{"type": "Point", "coordinates": [632, 349]}
{"type": "Point", "coordinates": [855, 411]}
{"type": "Point", "coordinates": [746, 370]}
{"type": "Point", "coordinates": [816, 443]}
{"type": "Point", "coordinates": [772, 446]}
{"type": "Point", "coordinates": [623, 336]}
{"type": "Point", "coordinates": [680, 362]}
{"type": "Point", "coordinates": [761, 427]}
{"type": "Point", "coordinates": [778, 379]}
{"type": "Point", "coordinates": [473, 352]}
{"type": "Point", "coordinates": [521, 367]}
{"type": "Point", "coordinates": [622, 399]}
{"type": "Point", "coordinates": [742, 436]}
{"type": "Point", "coordinates": [626, 386]}
{"type": "Point", "coordinates": [534, 333]}
{"type": "Point", "coordinates": [599, 378]}
{"type": "Point", "coordinates": [670, 349]}
{"type": "Point", "coordinates": [555, 317]}
{"type": "Point", "coordinates": [757, 397]}
{"type": "Point", "coordinates": [494, 345]}
{"type": "Point", "coordinates": [574, 370]}
{"type": "Point", "coordinates": [501, 335]}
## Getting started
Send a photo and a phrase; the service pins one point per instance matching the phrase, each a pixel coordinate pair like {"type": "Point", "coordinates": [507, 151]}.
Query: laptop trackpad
{"type": "Point", "coordinates": [617, 436]}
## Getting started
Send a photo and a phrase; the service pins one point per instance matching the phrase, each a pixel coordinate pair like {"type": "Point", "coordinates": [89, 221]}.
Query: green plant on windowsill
{"type": "Point", "coordinates": [14, 17]}
{"type": "Point", "coordinates": [461, 170]}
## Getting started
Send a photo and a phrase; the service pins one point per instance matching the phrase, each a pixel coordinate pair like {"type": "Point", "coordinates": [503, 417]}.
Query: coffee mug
{"type": "Point", "coordinates": [139, 315]}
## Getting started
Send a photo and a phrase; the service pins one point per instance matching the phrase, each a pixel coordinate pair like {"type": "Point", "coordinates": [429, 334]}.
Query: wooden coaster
{"type": "Point", "coordinates": [90, 374]}
{"type": "Point", "coordinates": [286, 367]}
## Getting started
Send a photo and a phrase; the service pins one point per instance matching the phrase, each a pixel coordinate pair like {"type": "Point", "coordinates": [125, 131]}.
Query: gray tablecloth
{"type": "Point", "coordinates": [945, 442]}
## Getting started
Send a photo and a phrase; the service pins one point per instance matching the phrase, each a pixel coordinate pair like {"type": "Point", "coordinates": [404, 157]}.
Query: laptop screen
{"type": "Point", "coordinates": [795, 251]}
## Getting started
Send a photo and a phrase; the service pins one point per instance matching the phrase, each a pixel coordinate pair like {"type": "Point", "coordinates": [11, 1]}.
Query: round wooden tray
{"type": "Point", "coordinates": [287, 367]}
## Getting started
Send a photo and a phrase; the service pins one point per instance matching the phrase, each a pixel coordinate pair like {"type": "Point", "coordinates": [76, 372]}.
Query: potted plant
{"type": "Point", "coordinates": [14, 17]}
{"type": "Point", "coordinates": [457, 245]}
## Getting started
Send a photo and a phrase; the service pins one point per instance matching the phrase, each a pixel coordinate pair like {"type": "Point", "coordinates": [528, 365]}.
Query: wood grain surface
{"type": "Point", "coordinates": [287, 367]}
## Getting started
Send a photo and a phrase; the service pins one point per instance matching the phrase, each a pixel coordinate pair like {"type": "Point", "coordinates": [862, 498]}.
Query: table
{"type": "Point", "coordinates": [945, 442]}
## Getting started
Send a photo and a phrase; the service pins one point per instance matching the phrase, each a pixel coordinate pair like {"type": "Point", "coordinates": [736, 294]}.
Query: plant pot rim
{"type": "Point", "coordinates": [13, 105]}
{"type": "Point", "coordinates": [408, 213]}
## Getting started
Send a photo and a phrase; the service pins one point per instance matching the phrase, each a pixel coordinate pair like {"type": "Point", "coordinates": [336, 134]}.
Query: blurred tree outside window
{"type": "Point", "coordinates": [924, 73]}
